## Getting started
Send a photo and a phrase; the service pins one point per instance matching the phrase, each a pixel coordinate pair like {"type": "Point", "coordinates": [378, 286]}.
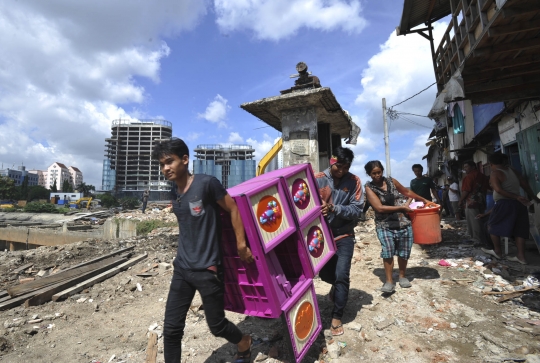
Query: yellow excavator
{"type": "Point", "coordinates": [269, 156]}
{"type": "Point", "coordinates": [84, 202]}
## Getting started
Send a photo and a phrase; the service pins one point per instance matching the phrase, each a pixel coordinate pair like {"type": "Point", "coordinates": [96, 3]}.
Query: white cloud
{"type": "Point", "coordinates": [192, 136]}
{"type": "Point", "coordinates": [66, 68]}
{"type": "Point", "coordinates": [216, 111]}
{"type": "Point", "coordinates": [263, 146]}
{"type": "Point", "coordinates": [235, 138]}
{"type": "Point", "coordinates": [401, 68]}
{"type": "Point", "coordinates": [277, 19]}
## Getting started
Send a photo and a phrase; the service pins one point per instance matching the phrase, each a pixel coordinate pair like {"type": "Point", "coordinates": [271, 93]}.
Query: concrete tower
{"type": "Point", "coordinates": [128, 168]}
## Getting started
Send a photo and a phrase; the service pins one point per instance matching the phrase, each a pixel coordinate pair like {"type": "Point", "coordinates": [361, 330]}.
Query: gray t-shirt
{"type": "Point", "coordinates": [200, 223]}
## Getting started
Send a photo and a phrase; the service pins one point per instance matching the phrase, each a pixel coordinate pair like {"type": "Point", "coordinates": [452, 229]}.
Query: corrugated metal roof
{"type": "Point", "coordinates": [417, 12]}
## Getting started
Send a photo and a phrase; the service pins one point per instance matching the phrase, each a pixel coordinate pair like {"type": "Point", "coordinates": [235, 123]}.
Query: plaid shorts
{"type": "Point", "coordinates": [396, 242]}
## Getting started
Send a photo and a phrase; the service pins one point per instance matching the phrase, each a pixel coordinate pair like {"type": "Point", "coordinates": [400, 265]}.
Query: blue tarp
{"type": "Point", "coordinates": [483, 114]}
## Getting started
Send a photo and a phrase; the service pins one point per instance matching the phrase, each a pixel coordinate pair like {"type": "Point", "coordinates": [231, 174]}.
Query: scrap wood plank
{"type": "Point", "coordinates": [514, 295]}
{"type": "Point", "coordinates": [508, 292]}
{"type": "Point", "coordinates": [151, 348]}
{"type": "Point", "coordinates": [22, 289]}
{"type": "Point", "coordinates": [146, 269]}
{"type": "Point", "coordinates": [103, 276]}
{"type": "Point", "coordinates": [12, 302]}
{"type": "Point", "coordinates": [47, 295]}
{"type": "Point", "coordinates": [22, 268]}
{"type": "Point", "coordinates": [101, 258]}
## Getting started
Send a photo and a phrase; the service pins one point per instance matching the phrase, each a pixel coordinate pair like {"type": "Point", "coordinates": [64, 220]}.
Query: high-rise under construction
{"type": "Point", "coordinates": [231, 165]}
{"type": "Point", "coordinates": [128, 168]}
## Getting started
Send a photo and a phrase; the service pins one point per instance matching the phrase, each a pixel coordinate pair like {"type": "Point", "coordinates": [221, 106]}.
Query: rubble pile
{"type": "Point", "coordinates": [470, 309]}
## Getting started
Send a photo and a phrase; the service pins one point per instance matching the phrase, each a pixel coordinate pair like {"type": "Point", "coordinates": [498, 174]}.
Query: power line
{"type": "Point", "coordinates": [414, 95]}
{"type": "Point", "coordinates": [413, 122]}
{"type": "Point", "coordinates": [412, 114]}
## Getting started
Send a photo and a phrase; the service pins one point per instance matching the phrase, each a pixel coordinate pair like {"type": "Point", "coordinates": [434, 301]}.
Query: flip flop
{"type": "Point", "coordinates": [515, 259]}
{"type": "Point", "coordinates": [404, 282]}
{"type": "Point", "coordinates": [332, 328]}
{"type": "Point", "coordinates": [388, 287]}
{"type": "Point", "coordinates": [491, 252]}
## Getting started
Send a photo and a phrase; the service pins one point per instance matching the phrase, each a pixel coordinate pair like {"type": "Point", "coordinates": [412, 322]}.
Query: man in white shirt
{"type": "Point", "coordinates": [453, 196]}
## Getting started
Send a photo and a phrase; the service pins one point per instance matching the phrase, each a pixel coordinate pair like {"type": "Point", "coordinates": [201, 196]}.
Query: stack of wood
{"type": "Point", "coordinates": [68, 282]}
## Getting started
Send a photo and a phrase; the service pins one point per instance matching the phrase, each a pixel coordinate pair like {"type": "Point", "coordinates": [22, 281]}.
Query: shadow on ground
{"type": "Point", "coordinates": [273, 332]}
{"type": "Point", "coordinates": [413, 273]}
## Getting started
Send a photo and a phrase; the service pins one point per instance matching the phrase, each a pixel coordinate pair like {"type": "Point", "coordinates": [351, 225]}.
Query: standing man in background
{"type": "Point", "coordinates": [145, 196]}
{"type": "Point", "coordinates": [473, 198]}
{"type": "Point", "coordinates": [453, 196]}
{"type": "Point", "coordinates": [342, 202]}
{"type": "Point", "coordinates": [423, 185]}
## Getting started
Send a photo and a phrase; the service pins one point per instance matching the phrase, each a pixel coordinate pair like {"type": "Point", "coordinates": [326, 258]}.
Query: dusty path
{"type": "Point", "coordinates": [444, 317]}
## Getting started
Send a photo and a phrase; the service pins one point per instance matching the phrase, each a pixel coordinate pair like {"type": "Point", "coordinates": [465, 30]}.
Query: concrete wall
{"type": "Point", "coordinates": [41, 237]}
{"type": "Point", "coordinates": [119, 228]}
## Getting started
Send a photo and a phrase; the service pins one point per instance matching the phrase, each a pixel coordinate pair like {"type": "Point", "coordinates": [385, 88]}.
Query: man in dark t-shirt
{"type": "Point", "coordinates": [198, 265]}
{"type": "Point", "coordinates": [422, 185]}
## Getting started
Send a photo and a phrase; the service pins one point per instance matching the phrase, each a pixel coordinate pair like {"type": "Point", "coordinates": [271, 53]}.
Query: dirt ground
{"type": "Point", "coordinates": [444, 317]}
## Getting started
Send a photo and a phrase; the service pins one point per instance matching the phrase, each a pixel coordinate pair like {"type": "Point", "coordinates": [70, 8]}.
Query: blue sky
{"type": "Point", "coordinates": [68, 69]}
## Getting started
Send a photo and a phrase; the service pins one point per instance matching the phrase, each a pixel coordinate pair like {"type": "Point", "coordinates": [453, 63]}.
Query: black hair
{"type": "Point", "coordinates": [344, 155]}
{"type": "Point", "coordinates": [471, 163]}
{"type": "Point", "coordinates": [172, 146]}
{"type": "Point", "coordinates": [418, 166]}
{"type": "Point", "coordinates": [498, 159]}
{"type": "Point", "coordinates": [370, 165]}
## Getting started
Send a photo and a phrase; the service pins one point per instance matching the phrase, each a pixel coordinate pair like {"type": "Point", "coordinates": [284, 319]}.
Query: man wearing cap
{"type": "Point", "coordinates": [342, 201]}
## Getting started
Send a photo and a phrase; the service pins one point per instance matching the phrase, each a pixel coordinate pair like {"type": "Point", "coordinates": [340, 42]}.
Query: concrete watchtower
{"type": "Point", "coordinates": [310, 119]}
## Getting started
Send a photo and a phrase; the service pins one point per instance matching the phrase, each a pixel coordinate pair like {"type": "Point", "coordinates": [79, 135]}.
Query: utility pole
{"type": "Point", "coordinates": [386, 141]}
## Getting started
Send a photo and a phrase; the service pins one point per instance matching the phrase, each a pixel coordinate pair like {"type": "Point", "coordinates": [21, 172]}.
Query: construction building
{"type": "Point", "coordinates": [128, 168]}
{"type": "Point", "coordinates": [231, 165]}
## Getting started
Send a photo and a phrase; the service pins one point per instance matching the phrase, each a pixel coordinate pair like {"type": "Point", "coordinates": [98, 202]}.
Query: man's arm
{"type": "Point", "coordinates": [524, 183]}
{"type": "Point", "coordinates": [229, 205]}
{"type": "Point", "coordinates": [435, 194]}
{"type": "Point", "coordinates": [353, 210]}
{"type": "Point", "coordinates": [411, 195]}
{"type": "Point", "coordinates": [496, 185]}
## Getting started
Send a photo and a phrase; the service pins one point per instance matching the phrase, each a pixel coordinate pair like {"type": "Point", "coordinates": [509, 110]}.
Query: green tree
{"type": "Point", "coordinates": [37, 192]}
{"type": "Point", "coordinates": [54, 187]}
{"type": "Point", "coordinates": [7, 187]}
{"type": "Point", "coordinates": [66, 186]}
{"type": "Point", "coordinates": [86, 189]}
{"type": "Point", "coordinates": [23, 191]}
{"type": "Point", "coordinates": [108, 200]}
{"type": "Point", "coordinates": [129, 202]}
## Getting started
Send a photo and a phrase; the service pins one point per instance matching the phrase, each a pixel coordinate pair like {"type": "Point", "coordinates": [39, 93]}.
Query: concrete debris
{"type": "Point", "coordinates": [450, 314]}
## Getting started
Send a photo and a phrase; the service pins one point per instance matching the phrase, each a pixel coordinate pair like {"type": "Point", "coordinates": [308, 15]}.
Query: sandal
{"type": "Point", "coordinates": [404, 282]}
{"type": "Point", "coordinates": [332, 328]}
{"type": "Point", "coordinates": [516, 259]}
{"type": "Point", "coordinates": [243, 357]}
{"type": "Point", "coordinates": [491, 252]}
{"type": "Point", "coordinates": [388, 287]}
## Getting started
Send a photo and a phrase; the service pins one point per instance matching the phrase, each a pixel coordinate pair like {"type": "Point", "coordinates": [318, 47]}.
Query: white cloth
{"type": "Point", "coordinates": [453, 196]}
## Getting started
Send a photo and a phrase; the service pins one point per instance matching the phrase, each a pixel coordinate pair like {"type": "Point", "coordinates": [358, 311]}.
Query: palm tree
{"type": "Point", "coordinates": [86, 189]}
